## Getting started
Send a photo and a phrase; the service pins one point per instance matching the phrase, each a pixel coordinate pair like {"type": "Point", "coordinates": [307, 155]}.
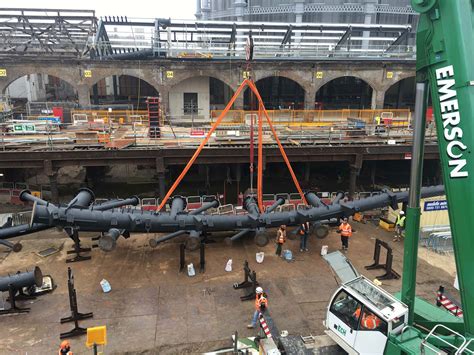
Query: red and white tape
{"type": "Point", "coordinates": [265, 328]}
{"type": "Point", "coordinates": [449, 305]}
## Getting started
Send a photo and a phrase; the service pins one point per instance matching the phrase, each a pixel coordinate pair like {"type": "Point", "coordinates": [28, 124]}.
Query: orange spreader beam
{"type": "Point", "coordinates": [261, 112]}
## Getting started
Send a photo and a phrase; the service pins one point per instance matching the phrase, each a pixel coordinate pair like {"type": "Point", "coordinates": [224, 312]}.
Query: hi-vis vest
{"type": "Point", "coordinates": [401, 221]}
{"type": "Point", "coordinates": [259, 300]}
{"type": "Point", "coordinates": [370, 322]}
{"type": "Point", "coordinates": [346, 230]}
{"type": "Point", "coordinates": [280, 237]}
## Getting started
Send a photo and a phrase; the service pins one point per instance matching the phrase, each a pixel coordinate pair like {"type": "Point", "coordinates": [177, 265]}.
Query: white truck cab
{"type": "Point", "coordinates": [361, 315]}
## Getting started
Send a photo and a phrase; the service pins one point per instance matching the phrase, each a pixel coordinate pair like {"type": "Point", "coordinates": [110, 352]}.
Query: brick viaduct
{"type": "Point", "coordinates": [380, 75]}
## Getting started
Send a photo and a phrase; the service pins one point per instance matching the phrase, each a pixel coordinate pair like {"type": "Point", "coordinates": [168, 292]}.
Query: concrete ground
{"type": "Point", "coordinates": [153, 308]}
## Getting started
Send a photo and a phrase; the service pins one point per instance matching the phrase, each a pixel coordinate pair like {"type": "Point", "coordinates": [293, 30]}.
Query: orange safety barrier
{"type": "Point", "coordinates": [261, 111]}
{"type": "Point", "coordinates": [311, 117]}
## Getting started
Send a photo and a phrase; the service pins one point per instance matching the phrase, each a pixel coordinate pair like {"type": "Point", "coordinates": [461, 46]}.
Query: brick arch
{"type": "Point", "coordinates": [390, 98]}
{"type": "Point", "coordinates": [136, 73]}
{"type": "Point", "coordinates": [180, 77]}
{"type": "Point", "coordinates": [305, 88]}
{"type": "Point", "coordinates": [398, 79]}
{"type": "Point", "coordinates": [302, 81]}
{"type": "Point", "coordinates": [332, 76]}
{"type": "Point", "coordinates": [337, 75]}
{"type": "Point", "coordinates": [65, 75]}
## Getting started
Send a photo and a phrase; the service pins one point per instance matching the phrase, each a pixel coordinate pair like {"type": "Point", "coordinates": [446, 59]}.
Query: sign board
{"type": "Point", "coordinates": [389, 74]}
{"type": "Point", "coordinates": [407, 156]}
{"type": "Point", "coordinates": [24, 128]}
{"type": "Point", "coordinates": [169, 74]}
{"type": "Point", "coordinates": [319, 75]}
{"type": "Point", "coordinates": [3, 72]}
{"type": "Point", "coordinates": [246, 74]}
{"type": "Point", "coordinates": [97, 336]}
{"type": "Point", "coordinates": [87, 73]}
{"type": "Point", "coordinates": [435, 205]}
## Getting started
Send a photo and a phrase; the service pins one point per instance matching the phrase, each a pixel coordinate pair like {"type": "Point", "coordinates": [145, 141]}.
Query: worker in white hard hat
{"type": "Point", "coordinates": [261, 304]}
{"type": "Point", "coordinates": [399, 226]}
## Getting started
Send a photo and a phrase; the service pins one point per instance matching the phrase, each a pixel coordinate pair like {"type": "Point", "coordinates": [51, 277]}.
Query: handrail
{"type": "Point", "coordinates": [432, 334]}
{"type": "Point", "coordinates": [465, 347]}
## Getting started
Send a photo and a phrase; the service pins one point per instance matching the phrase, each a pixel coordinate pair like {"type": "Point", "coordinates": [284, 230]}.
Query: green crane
{"type": "Point", "coordinates": [365, 319]}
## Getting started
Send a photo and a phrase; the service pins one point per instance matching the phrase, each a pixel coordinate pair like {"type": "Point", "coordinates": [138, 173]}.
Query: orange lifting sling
{"type": "Point", "coordinates": [261, 112]}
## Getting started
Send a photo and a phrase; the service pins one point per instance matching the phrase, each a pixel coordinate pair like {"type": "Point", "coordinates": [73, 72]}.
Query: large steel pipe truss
{"type": "Point", "coordinates": [114, 223]}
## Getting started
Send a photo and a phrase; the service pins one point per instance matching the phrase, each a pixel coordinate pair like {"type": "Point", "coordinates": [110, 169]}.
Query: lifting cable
{"type": "Point", "coordinates": [261, 112]}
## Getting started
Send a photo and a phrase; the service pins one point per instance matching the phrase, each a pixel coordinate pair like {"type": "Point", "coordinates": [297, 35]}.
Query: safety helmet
{"type": "Point", "coordinates": [402, 213]}
{"type": "Point", "coordinates": [65, 344]}
{"type": "Point", "coordinates": [259, 290]}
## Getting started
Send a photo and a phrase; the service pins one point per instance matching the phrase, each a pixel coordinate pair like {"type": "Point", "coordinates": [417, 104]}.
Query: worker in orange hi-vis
{"type": "Point", "coordinates": [346, 231]}
{"type": "Point", "coordinates": [280, 239]}
{"type": "Point", "coordinates": [65, 348]}
{"type": "Point", "coordinates": [370, 321]}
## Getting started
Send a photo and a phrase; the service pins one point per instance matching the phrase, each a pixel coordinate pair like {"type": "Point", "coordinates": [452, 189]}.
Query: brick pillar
{"type": "Point", "coordinates": [378, 97]}
{"type": "Point", "coordinates": [83, 95]}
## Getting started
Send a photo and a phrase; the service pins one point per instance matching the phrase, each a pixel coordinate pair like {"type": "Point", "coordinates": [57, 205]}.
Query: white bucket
{"type": "Point", "coordinates": [259, 257]}
{"type": "Point", "coordinates": [228, 266]}
{"type": "Point", "coordinates": [191, 271]}
{"type": "Point", "coordinates": [324, 250]}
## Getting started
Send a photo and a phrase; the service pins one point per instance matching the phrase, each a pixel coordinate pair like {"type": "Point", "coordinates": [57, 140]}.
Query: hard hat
{"type": "Point", "coordinates": [259, 290]}
{"type": "Point", "coordinates": [65, 344]}
{"type": "Point", "coordinates": [402, 213]}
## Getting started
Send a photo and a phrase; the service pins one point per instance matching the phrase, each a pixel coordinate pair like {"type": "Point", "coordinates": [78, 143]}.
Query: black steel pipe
{"type": "Point", "coordinates": [16, 247]}
{"type": "Point", "coordinates": [83, 198]}
{"type": "Point", "coordinates": [108, 241]}
{"type": "Point", "coordinates": [339, 196]}
{"type": "Point", "coordinates": [26, 196]}
{"type": "Point", "coordinates": [153, 242]}
{"type": "Point", "coordinates": [211, 204]}
{"type": "Point", "coordinates": [313, 199]}
{"type": "Point", "coordinates": [280, 201]}
{"type": "Point", "coordinates": [178, 204]}
{"type": "Point", "coordinates": [133, 201]}
{"type": "Point", "coordinates": [238, 235]}
{"type": "Point", "coordinates": [137, 221]}
{"type": "Point", "coordinates": [22, 279]}
{"type": "Point", "coordinates": [250, 205]}
{"type": "Point", "coordinates": [22, 229]}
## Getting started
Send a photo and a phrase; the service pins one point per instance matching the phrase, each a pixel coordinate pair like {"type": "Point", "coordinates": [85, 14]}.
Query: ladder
{"type": "Point", "coordinates": [153, 106]}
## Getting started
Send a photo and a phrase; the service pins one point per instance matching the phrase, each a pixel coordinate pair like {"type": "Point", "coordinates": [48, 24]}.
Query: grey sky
{"type": "Point", "coordinates": [177, 9]}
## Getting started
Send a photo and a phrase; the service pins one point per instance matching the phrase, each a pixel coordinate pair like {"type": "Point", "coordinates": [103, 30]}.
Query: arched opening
{"type": "Point", "coordinates": [193, 99]}
{"type": "Point", "coordinates": [122, 90]}
{"type": "Point", "coordinates": [277, 92]}
{"type": "Point", "coordinates": [347, 92]}
{"type": "Point", "coordinates": [36, 94]}
{"type": "Point", "coordinates": [401, 94]}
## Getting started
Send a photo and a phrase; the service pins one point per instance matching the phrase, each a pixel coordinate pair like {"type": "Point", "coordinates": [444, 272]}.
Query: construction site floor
{"type": "Point", "coordinates": [153, 308]}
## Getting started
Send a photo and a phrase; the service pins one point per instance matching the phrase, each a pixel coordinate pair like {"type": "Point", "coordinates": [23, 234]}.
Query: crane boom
{"type": "Point", "coordinates": [445, 53]}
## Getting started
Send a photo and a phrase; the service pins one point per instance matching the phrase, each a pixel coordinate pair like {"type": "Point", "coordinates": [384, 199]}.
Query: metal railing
{"type": "Point", "coordinates": [111, 117]}
{"type": "Point", "coordinates": [425, 345]}
{"type": "Point", "coordinates": [314, 8]}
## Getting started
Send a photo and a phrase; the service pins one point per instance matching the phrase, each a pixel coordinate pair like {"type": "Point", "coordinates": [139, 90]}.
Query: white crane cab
{"type": "Point", "coordinates": [361, 315]}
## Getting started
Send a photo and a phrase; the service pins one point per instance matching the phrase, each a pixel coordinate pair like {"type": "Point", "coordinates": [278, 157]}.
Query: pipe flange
{"type": "Point", "coordinates": [423, 6]}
